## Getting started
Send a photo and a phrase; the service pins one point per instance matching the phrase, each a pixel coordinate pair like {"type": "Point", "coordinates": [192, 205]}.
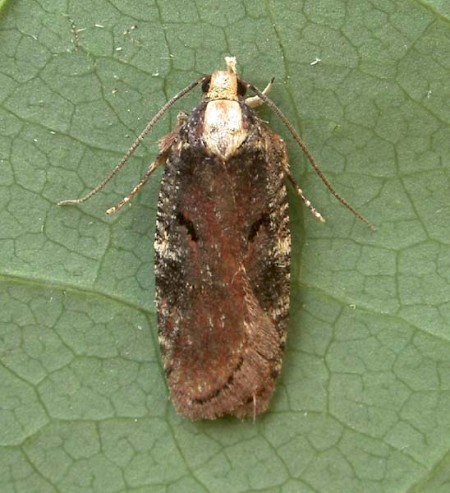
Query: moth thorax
{"type": "Point", "coordinates": [223, 129]}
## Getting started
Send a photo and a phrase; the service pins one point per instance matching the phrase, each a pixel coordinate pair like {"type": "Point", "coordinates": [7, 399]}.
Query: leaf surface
{"type": "Point", "coordinates": [363, 402]}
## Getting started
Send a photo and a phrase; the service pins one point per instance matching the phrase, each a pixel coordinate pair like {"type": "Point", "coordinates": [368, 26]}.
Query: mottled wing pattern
{"type": "Point", "coordinates": [222, 262]}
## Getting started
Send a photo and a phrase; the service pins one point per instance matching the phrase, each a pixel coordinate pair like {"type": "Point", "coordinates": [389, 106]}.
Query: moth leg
{"type": "Point", "coordinates": [164, 145]}
{"type": "Point", "coordinates": [168, 140]}
{"type": "Point", "coordinates": [160, 159]}
{"type": "Point", "coordinates": [135, 145]}
{"type": "Point", "coordinates": [255, 101]}
{"type": "Point", "coordinates": [307, 202]}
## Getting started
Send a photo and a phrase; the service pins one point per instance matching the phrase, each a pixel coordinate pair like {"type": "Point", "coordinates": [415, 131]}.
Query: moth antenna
{"type": "Point", "coordinates": [134, 145]}
{"type": "Point", "coordinates": [307, 152]}
{"type": "Point", "coordinates": [255, 101]}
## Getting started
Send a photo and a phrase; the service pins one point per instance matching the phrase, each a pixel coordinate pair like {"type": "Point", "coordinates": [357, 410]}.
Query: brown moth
{"type": "Point", "coordinates": [222, 249]}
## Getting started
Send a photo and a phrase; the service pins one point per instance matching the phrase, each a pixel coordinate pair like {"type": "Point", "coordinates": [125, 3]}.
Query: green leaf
{"type": "Point", "coordinates": [363, 402]}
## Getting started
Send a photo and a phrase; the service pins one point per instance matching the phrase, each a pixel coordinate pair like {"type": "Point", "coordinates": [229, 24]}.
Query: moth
{"type": "Point", "coordinates": [222, 248]}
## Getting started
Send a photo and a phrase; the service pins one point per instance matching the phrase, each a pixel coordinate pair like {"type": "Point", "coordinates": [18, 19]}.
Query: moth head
{"type": "Point", "coordinates": [224, 84]}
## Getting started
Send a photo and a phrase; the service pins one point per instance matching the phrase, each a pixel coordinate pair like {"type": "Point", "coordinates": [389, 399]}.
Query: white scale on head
{"type": "Point", "coordinates": [223, 130]}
